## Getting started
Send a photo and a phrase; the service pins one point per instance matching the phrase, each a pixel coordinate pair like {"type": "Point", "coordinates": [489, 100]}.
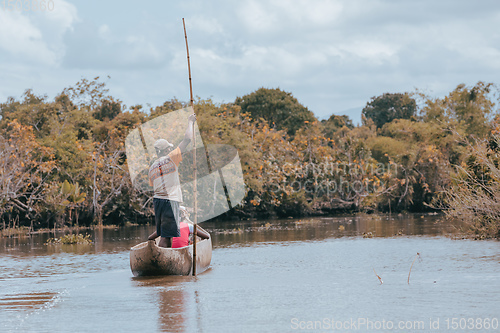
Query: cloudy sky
{"type": "Point", "coordinates": [333, 56]}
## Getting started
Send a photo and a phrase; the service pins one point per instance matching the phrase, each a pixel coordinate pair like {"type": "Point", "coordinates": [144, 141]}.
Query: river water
{"type": "Point", "coordinates": [266, 276]}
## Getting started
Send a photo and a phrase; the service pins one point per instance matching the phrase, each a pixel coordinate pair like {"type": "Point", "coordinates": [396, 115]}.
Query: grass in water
{"type": "Point", "coordinates": [70, 239]}
{"type": "Point", "coordinates": [417, 256]}
{"type": "Point", "coordinates": [379, 278]}
{"type": "Point", "coordinates": [15, 232]}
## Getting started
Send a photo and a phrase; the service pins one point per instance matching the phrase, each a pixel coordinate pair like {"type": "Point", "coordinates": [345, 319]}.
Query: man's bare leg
{"type": "Point", "coordinates": [165, 242]}
{"type": "Point", "coordinates": [153, 236]}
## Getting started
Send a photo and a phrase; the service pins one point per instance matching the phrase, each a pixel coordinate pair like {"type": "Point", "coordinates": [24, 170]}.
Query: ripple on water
{"type": "Point", "coordinates": [29, 301]}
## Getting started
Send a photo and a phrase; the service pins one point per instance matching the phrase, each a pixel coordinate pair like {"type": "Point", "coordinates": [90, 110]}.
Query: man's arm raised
{"type": "Point", "coordinates": [188, 136]}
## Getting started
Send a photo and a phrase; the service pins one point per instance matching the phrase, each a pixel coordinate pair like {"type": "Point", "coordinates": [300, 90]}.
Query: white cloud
{"type": "Point", "coordinates": [205, 25]}
{"type": "Point", "coordinates": [372, 51]}
{"type": "Point", "coordinates": [257, 18]}
{"type": "Point", "coordinates": [63, 16]}
{"type": "Point", "coordinates": [91, 47]}
{"type": "Point", "coordinates": [318, 12]}
{"type": "Point", "coordinates": [272, 16]}
{"type": "Point", "coordinates": [36, 37]}
{"type": "Point", "coordinates": [104, 32]}
{"type": "Point", "coordinates": [21, 39]}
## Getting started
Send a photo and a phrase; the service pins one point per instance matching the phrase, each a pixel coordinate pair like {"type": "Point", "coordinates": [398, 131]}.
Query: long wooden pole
{"type": "Point", "coordinates": [189, 65]}
{"type": "Point", "coordinates": [195, 227]}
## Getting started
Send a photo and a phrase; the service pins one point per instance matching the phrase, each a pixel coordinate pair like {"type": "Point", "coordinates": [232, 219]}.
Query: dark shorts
{"type": "Point", "coordinates": [166, 217]}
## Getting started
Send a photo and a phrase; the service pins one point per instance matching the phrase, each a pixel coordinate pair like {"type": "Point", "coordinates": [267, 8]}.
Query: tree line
{"type": "Point", "coordinates": [63, 161]}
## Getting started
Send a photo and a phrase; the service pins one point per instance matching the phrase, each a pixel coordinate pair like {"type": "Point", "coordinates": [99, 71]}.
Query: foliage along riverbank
{"type": "Point", "coordinates": [63, 162]}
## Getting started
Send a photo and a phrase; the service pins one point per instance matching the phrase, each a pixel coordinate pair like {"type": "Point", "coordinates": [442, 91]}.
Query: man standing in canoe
{"type": "Point", "coordinates": [164, 177]}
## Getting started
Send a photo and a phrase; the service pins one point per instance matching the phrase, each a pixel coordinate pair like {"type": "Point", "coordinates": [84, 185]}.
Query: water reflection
{"type": "Point", "coordinates": [320, 228]}
{"type": "Point", "coordinates": [172, 310]}
{"type": "Point", "coordinates": [172, 300]}
{"type": "Point", "coordinates": [104, 241]}
{"type": "Point", "coordinates": [228, 233]}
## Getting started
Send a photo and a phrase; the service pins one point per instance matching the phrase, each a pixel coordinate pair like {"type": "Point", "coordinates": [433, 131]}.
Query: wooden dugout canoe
{"type": "Point", "coordinates": [147, 259]}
